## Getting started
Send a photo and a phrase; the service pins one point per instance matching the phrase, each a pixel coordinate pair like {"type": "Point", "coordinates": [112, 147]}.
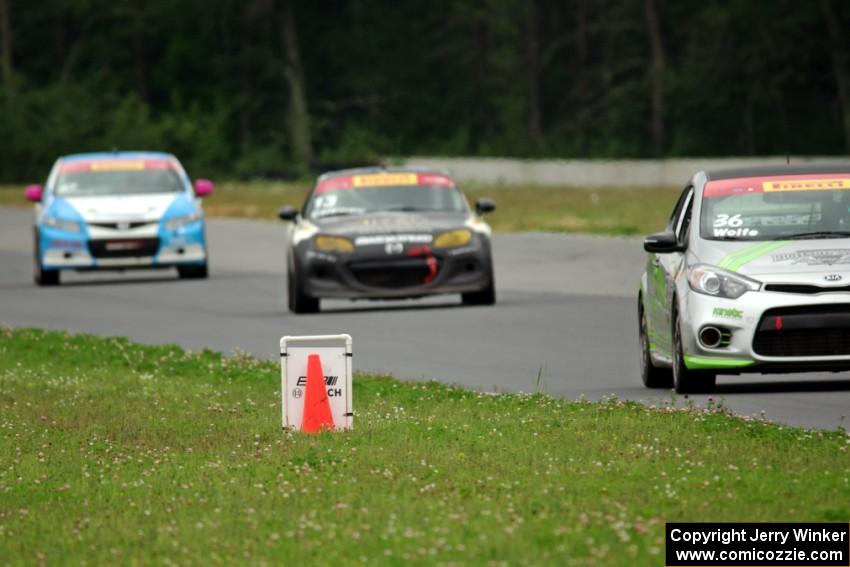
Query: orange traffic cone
{"type": "Point", "coordinates": [317, 408]}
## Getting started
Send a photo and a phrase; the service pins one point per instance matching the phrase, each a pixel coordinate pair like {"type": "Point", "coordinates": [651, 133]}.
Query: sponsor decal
{"type": "Point", "coordinates": [124, 245]}
{"type": "Point", "coordinates": [805, 185]}
{"type": "Point", "coordinates": [320, 256]}
{"type": "Point", "coordinates": [435, 179]}
{"type": "Point", "coordinates": [393, 247]}
{"type": "Point", "coordinates": [64, 244]}
{"type": "Point", "coordinates": [460, 251]}
{"type": "Point", "coordinates": [384, 179]}
{"type": "Point", "coordinates": [387, 179]}
{"type": "Point", "coordinates": [389, 225]}
{"type": "Point", "coordinates": [824, 257]}
{"type": "Point", "coordinates": [716, 188]}
{"type": "Point", "coordinates": [329, 380]}
{"type": "Point", "coordinates": [393, 238]}
{"type": "Point", "coordinates": [778, 183]}
{"type": "Point", "coordinates": [117, 165]}
{"type": "Point", "coordinates": [727, 313]}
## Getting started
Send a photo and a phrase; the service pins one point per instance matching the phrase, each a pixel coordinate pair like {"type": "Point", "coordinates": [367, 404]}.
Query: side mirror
{"type": "Point", "coordinates": [663, 243]}
{"type": "Point", "coordinates": [485, 205]}
{"type": "Point", "coordinates": [203, 187]}
{"type": "Point", "coordinates": [33, 193]}
{"type": "Point", "coordinates": [287, 213]}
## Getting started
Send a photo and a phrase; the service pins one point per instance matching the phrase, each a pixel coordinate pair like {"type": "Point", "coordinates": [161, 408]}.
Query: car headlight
{"type": "Point", "coordinates": [453, 238]}
{"type": "Point", "coordinates": [178, 222]}
{"type": "Point", "coordinates": [333, 244]}
{"type": "Point", "coordinates": [719, 283]}
{"type": "Point", "coordinates": [62, 224]}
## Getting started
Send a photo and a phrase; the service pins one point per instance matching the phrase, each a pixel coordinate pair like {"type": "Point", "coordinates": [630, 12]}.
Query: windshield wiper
{"type": "Point", "coordinates": [731, 238]}
{"type": "Point", "coordinates": [402, 209]}
{"type": "Point", "coordinates": [816, 234]}
{"type": "Point", "coordinates": [337, 214]}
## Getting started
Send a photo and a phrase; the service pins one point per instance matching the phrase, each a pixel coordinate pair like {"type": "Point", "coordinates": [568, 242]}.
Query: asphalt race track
{"type": "Point", "coordinates": [566, 310]}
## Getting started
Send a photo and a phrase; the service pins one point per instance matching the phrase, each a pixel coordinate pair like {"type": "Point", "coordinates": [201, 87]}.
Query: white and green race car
{"type": "Point", "coordinates": [752, 274]}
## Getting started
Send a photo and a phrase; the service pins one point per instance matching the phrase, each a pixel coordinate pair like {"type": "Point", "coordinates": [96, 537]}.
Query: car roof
{"type": "Point", "coordinates": [776, 170]}
{"type": "Point", "coordinates": [103, 156]}
{"type": "Point", "coordinates": [381, 169]}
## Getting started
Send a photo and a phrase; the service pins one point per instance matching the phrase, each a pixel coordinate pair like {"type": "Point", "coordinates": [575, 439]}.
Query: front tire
{"type": "Point", "coordinates": [41, 276]}
{"type": "Point", "coordinates": [199, 272]}
{"type": "Point", "coordinates": [46, 278]}
{"type": "Point", "coordinates": [685, 380]}
{"type": "Point", "coordinates": [485, 296]}
{"type": "Point", "coordinates": [652, 376]}
{"type": "Point", "coordinates": [299, 302]}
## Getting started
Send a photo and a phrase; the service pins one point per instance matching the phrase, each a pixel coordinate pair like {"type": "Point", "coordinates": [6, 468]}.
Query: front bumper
{"type": "Point", "coordinates": [377, 275]}
{"type": "Point", "coordinates": [150, 246]}
{"type": "Point", "coordinates": [753, 343]}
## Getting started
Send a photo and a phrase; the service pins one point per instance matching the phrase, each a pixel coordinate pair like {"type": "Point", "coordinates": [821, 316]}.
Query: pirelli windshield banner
{"type": "Point", "coordinates": [762, 544]}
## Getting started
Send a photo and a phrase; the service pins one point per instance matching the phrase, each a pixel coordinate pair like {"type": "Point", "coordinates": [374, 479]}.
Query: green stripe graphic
{"type": "Point", "coordinates": [746, 251]}
{"type": "Point", "coordinates": [706, 363]}
{"type": "Point", "coordinates": [734, 261]}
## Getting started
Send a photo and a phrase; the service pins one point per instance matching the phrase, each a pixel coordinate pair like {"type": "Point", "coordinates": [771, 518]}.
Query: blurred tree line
{"type": "Point", "coordinates": [276, 87]}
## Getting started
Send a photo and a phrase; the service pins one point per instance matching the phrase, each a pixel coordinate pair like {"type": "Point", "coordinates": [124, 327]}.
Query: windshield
{"type": "Point", "coordinates": [345, 196]}
{"type": "Point", "coordinates": [79, 182]}
{"type": "Point", "coordinates": [777, 208]}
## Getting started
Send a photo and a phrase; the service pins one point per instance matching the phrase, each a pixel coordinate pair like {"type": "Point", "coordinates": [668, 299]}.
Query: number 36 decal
{"type": "Point", "coordinates": [722, 219]}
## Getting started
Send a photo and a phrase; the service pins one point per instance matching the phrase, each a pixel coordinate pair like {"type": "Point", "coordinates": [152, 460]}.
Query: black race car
{"type": "Point", "coordinates": [388, 233]}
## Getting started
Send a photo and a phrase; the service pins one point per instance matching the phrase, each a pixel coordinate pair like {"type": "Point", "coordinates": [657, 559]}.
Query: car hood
{"type": "Point", "coordinates": [795, 259]}
{"type": "Point", "coordinates": [391, 223]}
{"type": "Point", "coordinates": [122, 208]}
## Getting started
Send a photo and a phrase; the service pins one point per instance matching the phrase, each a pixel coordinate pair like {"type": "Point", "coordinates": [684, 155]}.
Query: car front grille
{"type": "Point", "coordinates": [122, 225]}
{"type": "Point", "coordinates": [822, 330]}
{"type": "Point", "coordinates": [124, 248]}
{"type": "Point", "coordinates": [397, 274]}
{"type": "Point", "coordinates": [806, 288]}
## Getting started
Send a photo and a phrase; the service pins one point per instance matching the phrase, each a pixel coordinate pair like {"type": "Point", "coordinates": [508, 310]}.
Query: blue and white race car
{"type": "Point", "coordinates": [117, 211]}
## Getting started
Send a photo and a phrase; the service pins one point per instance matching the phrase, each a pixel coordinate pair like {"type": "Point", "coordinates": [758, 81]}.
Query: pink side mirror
{"type": "Point", "coordinates": [203, 187]}
{"type": "Point", "coordinates": [33, 193]}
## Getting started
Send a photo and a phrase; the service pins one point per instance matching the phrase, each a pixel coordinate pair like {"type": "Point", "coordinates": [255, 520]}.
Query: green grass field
{"type": "Point", "coordinates": [112, 452]}
{"type": "Point", "coordinates": [615, 211]}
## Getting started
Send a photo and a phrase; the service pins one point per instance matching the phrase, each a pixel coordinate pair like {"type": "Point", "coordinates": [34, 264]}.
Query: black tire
{"type": "Point", "coordinates": [685, 380]}
{"type": "Point", "coordinates": [652, 376]}
{"type": "Point", "coordinates": [299, 302]}
{"type": "Point", "coordinates": [41, 276]}
{"type": "Point", "coordinates": [46, 277]}
{"type": "Point", "coordinates": [199, 272]}
{"type": "Point", "coordinates": [485, 296]}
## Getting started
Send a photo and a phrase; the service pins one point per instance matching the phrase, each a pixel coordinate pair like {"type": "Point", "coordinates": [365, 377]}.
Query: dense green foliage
{"type": "Point", "coordinates": [214, 81]}
{"type": "Point", "coordinates": [117, 453]}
